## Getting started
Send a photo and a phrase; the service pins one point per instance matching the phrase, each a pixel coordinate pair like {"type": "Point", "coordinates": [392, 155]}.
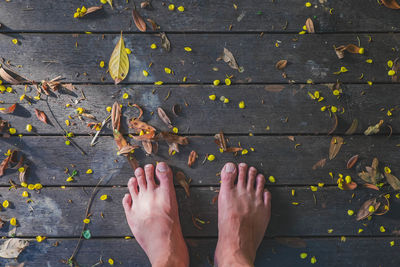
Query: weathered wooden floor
{"type": "Point", "coordinates": [286, 128]}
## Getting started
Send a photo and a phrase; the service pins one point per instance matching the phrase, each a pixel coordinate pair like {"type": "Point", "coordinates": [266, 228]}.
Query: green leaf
{"type": "Point", "coordinates": [74, 172]}
{"type": "Point", "coordinates": [118, 65]}
{"type": "Point", "coordinates": [86, 234]}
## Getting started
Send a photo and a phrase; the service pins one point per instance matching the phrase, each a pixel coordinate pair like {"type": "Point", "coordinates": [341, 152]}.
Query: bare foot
{"type": "Point", "coordinates": [244, 211]}
{"type": "Point", "coordinates": [152, 214]}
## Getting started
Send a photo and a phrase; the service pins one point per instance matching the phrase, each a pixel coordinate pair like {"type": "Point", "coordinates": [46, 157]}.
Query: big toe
{"type": "Point", "coordinates": [228, 175]}
{"type": "Point", "coordinates": [164, 174]}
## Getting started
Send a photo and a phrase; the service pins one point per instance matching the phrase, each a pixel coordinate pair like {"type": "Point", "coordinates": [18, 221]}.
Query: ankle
{"type": "Point", "coordinates": [233, 258]}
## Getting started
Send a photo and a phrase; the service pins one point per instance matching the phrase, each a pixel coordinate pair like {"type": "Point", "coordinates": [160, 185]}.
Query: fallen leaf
{"type": "Point", "coordinates": [310, 26]}
{"type": "Point", "coordinates": [371, 186]}
{"type": "Point", "coordinates": [172, 148]}
{"type": "Point", "coordinates": [41, 116]}
{"type": "Point", "coordinates": [116, 116]}
{"type": "Point", "coordinates": [319, 165]}
{"type": "Point", "coordinates": [11, 76]}
{"type": "Point", "coordinates": [173, 138]}
{"type": "Point", "coordinates": [383, 207]}
{"type": "Point", "coordinates": [374, 129]}
{"type": "Point", "coordinates": [147, 146]}
{"type": "Point", "coordinates": [351, 48]}
{"type": "Point", "coordinates": [352, 161]}
{"type": "Point", "coordinates": [220, 140]}
{"type": "Point", "coordinates": [22, 175]}
{"type": "Point", "coordinates": [192, 158]}
{"type": "Point", "coordinates": [118, 65]}
{"type": "Point", "coordinates": [353, 127]}
{"type": "Point", "coordinates": [163, 116]}
{"type": "Point", "coordinates": [176, 109]}
{"type": "Point", "coordinates": [334, 125]}
{"type": "Point", "coordinates": [9, 110]}
{"type": "Point", "coordinates": [228, 58]}
{"type": "Point", "coordinates": [92, 9]}
{"type": "Point", "coordinates": [139, 22]}
{"type": "Point", "coordinates": [391, 4]}
{"type": "Point", "coordinates": [334, 148]}
{"type": "Point", "coordinates": [153, 24]}
{"type": "Point", "coordinates": [165, 43]}
{"type": "Point", "coordinates": [364, 212]}
{"type": "Point", "coordinates": [181, 178]}
{"type": "Point", "coordinates": [11, 248]}
{"type": "Point", "coordinates": [349, 186]}
{"type": "Point", "coordinates": [4, 165]}
{"type": "Point", "coordinates": [281, 64]}
{"type": "Point", "coordinates": [393, 181]}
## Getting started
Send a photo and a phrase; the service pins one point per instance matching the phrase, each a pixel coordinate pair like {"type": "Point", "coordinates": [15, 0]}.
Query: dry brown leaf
{"type": "Point", "coordinates": [116, 116]}
{"type": "Point", "coordinates": [147, 146]}
{"type": "Point", "coordinates": [192, 158]}
{"type": "Point", "coordinates": [11, 76]}
{"type": "Point", "coordinates": [23, 174]}
{"type": "Point", "coordinates": [163, 116]}
{"type": "Point", "coordinates": [11, 248]}
{"type": "Point", "coordinates": [349, 186]}
{"type": "Point", "coordinates": [176, 109]}
{"type": "Point", "coordinates": [392, 4]}
{"type": "Point", "coordinates": [165, 43]}
{"type": "Point", "coordinates": [172, 148]}
{"type": "Point", "coordinates": [173, 138]}
{"type": "Point", "coordinates": [181, 178]}
{"type": "Point", "coordinates": [310, 26]}
{"type": "Point", "coordinates": [9, 110]}
{"type": "Point", "coordinates": [233, 149]}
{"type": "Point", "coordinates": [351, 48]}
{"type": "Point", "coordinates": [384, 207]}
{"type": "Point", "coordinates": [220, 140]}
{"type": "Point", "coordinates": [228, 58]}
{"type": "Point", "coordinates": [154, 25]}
{"type": "Point", "coordinates": [334, 125]}
{"type": "Point", "coordinates": [4, 165]}
{"type": "Point", "coordinates": [393, 181]}
{"type": "Point", "coordinates": [281, 64]}
{"type": "Point", "coordinates": [353, 127]}
{"type": "Point", "coordinates": [92, 9]}
{"type": "Point", "coordinates": [374, 129]}
{"type": "Point", "coordinates": [371, 186]}
{"type": "Point", "coordinates": [364, 212]}
{"type": "Point", "coordinates": [139, 22]}
{"type": "Point", "coordinates": [319, 165]}
{"type": "Point", "coordinates": [89, 116]}
{"type": "Point", "coordinates": [334, 148]}
{"type": "Point", "coordinates": [352, 161]}
{"type": "Point", "coordinates": [139, 126]}
{"type": "Point", "coordinates": [41, 116]}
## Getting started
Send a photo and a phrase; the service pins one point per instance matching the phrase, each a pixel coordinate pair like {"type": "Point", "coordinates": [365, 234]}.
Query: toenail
{"type": "Point", "coordinates": [148, 166]}
{"type": "Point", "coordinates": [242, 164]}
{"type": "Point", "coordinates": [161, 168]}
{"type": "Point", "coordinates": [229, 167]}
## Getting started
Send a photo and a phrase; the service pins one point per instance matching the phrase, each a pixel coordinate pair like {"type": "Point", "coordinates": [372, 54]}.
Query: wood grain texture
{"type": "Point", "coordinates": [310, 57]}
{"type": "Point", "coordinates": [283, 109]}
{"type": "Point", "coordinates": [49, 156]}
{"type": "Point", "coordinates": [210, 16]}
{"type": "Point", "coordinates": [328, 252]}
{"type": "Point", "coordinates": [59, 212]}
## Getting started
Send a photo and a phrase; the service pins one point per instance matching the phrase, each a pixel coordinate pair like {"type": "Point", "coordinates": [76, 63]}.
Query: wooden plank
{"type": "Point", "coordinates": [254, 15]}
{"type": "Point", "coordinates": [310, 57]}
{"type": "Point", "coordinates": [59, 212]}
{"type": "Point", "coordinates": [288, 110]}
{"type": "Point", "coordinates": [328, 252]}
{"type": "Point", "coordinates": [278, 156]}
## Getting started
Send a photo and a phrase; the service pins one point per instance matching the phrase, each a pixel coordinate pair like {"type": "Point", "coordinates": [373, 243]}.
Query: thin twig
{"type": "Point", "coordinates": [94, 192]}
{"type": "Point", "coordinates": [98, 132]}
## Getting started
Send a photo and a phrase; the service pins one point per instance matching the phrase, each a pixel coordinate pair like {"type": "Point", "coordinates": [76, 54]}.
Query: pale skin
{"type": "Point", "coordinates": [244, 211]}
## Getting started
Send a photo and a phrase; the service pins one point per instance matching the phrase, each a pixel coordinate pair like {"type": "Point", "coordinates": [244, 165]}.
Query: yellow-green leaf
{"type": "Point", "coordinates": [110, 2]}
{"type": "Point", "coordinates": [119, 62]}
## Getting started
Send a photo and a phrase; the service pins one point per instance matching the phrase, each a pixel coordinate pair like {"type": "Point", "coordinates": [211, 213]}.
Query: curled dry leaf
{"type": "Point", "coordinates": [220, 140]}
{"type": "Point", "coordinates": [384, 207]}
{"type": "Point", "coordinates": [349, 186]}
{"type": "Point", "coordinates": [335, 124]}
{"type": "Point", "coordinates": [374, 129]}
{"type": "Point", "coordinates": [352, 161]}
{"type": "Point", "coordinates": [165, 43]}
{"type": "Point", "coordinates": [334, 148]}
{"type": "Point", "coordinates": [364, 212]}
{"type": "Point", "coordinates": [319, 165]}
{"type": "Point", "coordinates": [396, 69]}
{"type": "Point", "coordinates": [9, 110]}
{"type": "Point", "coordinates": [4, 164]}
{"type": "Point", "coordinates": [173, 138]}
{"type": "Point", "coordinates": [41, 116]}
{"type": "Point", "coordinates": [116, 116]}
{"type": "Point", "coordinates": [351, 48]}
{"type": "Point", "coordinates": [11, 248]}
{"type": "Point", "coordinates": [353, 127]}
{"type": "Point", "coordinates": [192, 158]}
{"type": "Point", "coordinates": [392, 4]}
{"type": "Point", "coordinates": [118, 65]}
{"type": "Point", "coordinates": [181, 179]}
{"type": "Point", "coordinates": [371, 186]}
{"type": "Point", "coordinates": [393, 181]}
{"type": "Point", "coordinates": [172, 148]}
{"type": "Point", "coordinates": [163, 116]}
{"type": "Point", "coordinates": [147, 146]}
{"type": "Point", "coordinates": [11, 76]}
{"type": "Point", "coordinates": [23, 174]}
{"type": "Point", "coordinates": [228, 58]}
{"type": "Point", "coordinates": [139, 22]}
{"type": "Point", "coordinates": [310, 26]}
{"type": "Point", "coordinates": [92, 9]}
{"type": "Point", "coordinates": [176, 109]}
{"type": "Point", "coordinates": [281, 64]}
{"type": "Point", "coordinates": [154, 25]}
